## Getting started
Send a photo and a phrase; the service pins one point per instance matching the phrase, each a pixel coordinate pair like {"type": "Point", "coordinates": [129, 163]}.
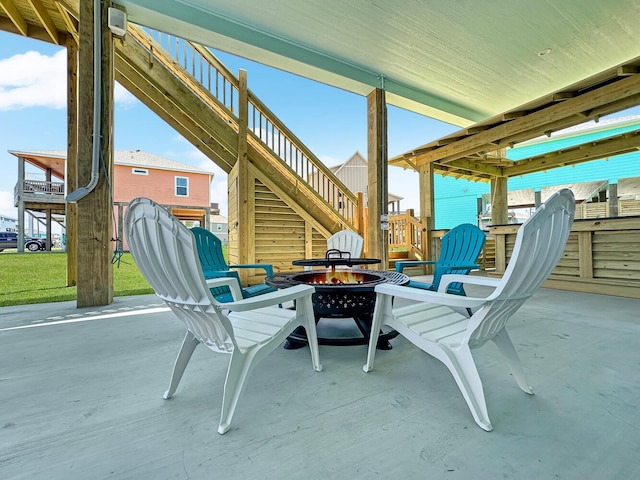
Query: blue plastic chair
{"type": "Point", "coordinates": [461, 247]}
{"type": "Point", "coordinates": [214, 266]}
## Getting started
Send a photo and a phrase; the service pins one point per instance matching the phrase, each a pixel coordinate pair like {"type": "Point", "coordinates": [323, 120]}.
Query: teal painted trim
{"type": "Point", "coordinates": [183, 13]}
{"type": "Point", "coordinates": [620, 166]}
{"type": "Point", "coordinates": [537, 148]}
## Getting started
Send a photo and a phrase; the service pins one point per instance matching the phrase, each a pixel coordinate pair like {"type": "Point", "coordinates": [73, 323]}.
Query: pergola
{"type": "Point", "coordinates": [504, 72]}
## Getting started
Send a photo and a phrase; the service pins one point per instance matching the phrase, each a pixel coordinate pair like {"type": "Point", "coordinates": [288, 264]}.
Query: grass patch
{"type": "Point", "coordinates": [41, 277]}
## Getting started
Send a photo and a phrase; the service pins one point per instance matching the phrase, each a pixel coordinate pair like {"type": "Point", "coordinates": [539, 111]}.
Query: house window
{"type": "Point", "coordinates": [182, 187]}
{"type": "Point", "coordinates": [140, 171]}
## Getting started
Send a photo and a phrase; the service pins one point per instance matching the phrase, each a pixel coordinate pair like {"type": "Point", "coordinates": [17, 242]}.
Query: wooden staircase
{"type": "Point", "coordinates": [296, 201]}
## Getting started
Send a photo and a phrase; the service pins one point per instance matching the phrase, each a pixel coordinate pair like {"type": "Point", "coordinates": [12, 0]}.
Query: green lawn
{"type": "Point", "coordinates": [40, 277]}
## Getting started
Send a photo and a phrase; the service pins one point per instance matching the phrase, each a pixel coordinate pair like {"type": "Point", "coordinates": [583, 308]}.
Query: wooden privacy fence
{"type": "Point", "coordinates": [626, 208]}
{"type": "Point", "coordinates": [601, 256]}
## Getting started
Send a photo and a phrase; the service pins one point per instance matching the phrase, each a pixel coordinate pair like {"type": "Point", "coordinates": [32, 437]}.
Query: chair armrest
{"type": "Point", "coordinates": [455, 266]}
{"type": "Point", "coordinates": [420, 295]}
{"type": "Point", "coordinates": [231, 282]}
{"type": "Point", "coordinates": [268, 268]}
{"type": "Point", "coordinates": [468, 279]}
{"type": "Point", "coordinates": [412, 263]}
{"type": "Point", "coordinates": [270, 299]}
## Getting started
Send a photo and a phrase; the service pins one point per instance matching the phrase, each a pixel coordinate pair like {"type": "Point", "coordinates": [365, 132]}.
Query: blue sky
{"type": "Point", "coordinates": [331, 122]}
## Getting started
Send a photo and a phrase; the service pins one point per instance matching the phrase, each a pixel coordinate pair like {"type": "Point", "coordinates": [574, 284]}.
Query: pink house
{"type": "Point", "coordinates": [181, 188]}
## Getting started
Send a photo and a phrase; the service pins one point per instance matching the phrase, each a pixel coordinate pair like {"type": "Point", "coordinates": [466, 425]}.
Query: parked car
{"type": "Point", "coordinates": [10, 240]}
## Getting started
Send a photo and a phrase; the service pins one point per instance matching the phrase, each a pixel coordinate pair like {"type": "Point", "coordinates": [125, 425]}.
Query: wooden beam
{"type": "Point", "coordinates": [378, 246]}
{"type": "Point", "coordinates": [69, 21]}
{"type": "Point", "coordinates": [556, 116]}
{"type": "Point", "coordinates": [628, 70]}
{"type": "Point", "coordinates": [95, 248]}
{"type": "Point", "coordinates": [499, 201]}
{"type": "Point", "coordinates": [427, 208]}
{"type": "Point", "coordinates": [476, 166]}
{"type": "Point", "coordinates": [71, 175]}
{"type": "Point", "coordinates": [173, 102]}
{"type": "Point", "coordinates": [606, 147]}
{"type": "Point", "coordinates": [246, 184]}
{"type": "Point", "coordinates": [71, 6]}
{"type": "Point", "coordinates": [14, 15]}
{"type": "Point", "coordinates": [560, 96]}
{"type": "Point", "coordinates": [46, 20]}
{"type": "Point", "coordinates": [513, 115]}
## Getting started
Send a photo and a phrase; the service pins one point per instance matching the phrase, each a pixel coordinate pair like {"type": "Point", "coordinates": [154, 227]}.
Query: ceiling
{"type": "Point", "coordinates": [505, 70]}
{"type": "Point", "coordinates": [461, 62]}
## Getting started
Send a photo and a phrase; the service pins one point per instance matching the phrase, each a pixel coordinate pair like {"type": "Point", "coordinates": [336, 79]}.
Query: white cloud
{"type": "Point", "coordinates": [33, 79]}
{"type": "Point", "coordinates": [122, 97]}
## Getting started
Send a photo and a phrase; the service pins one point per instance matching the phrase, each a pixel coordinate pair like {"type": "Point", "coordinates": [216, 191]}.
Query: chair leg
{"type": "Point", "coordinates": [312, 335]}
{"type": "Point", "coordinates": [240, 367]}
{"type": "Point", "coordinates": [463, 368]}
{"type": "Point", "coordinates": [505, 345]}
{"type": "Point", "coordinates": [189, 344]}
{"type": "Point", "coordinates": [381, 309]}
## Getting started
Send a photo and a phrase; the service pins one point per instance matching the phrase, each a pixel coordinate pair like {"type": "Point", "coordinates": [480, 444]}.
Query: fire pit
{"type": "Point", "coordinates": [347, 293]}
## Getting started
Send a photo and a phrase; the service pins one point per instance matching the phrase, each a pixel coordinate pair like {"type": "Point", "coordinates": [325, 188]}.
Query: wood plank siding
{"type": "Point", "coordinates": [601, 256]}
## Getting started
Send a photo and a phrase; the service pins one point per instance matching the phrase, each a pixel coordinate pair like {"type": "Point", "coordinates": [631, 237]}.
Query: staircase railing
{"type": "Point", "coordinates": [405, 233]}
{"type": "Point", "coordinates": [197, 68]}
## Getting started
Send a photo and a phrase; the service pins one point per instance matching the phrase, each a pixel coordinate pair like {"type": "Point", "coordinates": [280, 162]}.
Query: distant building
{"type": "Point", "coordinates": [181, 188]}
{"type": "Point", "coordinates": [354, 174]}
{"type": "Point", "coordinates": [8, 224]}
{"type": "Point", "coordinates": [593, 182]}
{"type": "Point", "coordinates": [220, 227]}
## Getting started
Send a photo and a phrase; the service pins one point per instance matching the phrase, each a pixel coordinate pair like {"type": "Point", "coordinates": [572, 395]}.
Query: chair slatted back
{"type": "Point", "coordinates": [346, 241]}
{"type": "Point", "coordinates": [460, 246]}
{"type": "Point", "coordinates": [165, 252]}
{"type": "Point", "coordinates": [539, 244]}
{"type": "Point", "coordinates": [209, 250]}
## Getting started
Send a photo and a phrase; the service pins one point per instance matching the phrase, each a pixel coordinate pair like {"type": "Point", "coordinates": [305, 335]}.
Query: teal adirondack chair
{"type": "Point", "coordinates": [214, 266]}
{"type": "Point", "coordinates": [460, 249]}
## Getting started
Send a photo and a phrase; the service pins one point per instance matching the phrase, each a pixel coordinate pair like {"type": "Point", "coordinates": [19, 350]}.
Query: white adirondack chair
{"type": "Point", "coordinates": [433, 321]}
{"type": "Point", "coordinates": [166, 254]}
{"type": "Point", "coordinates": [346, 241]}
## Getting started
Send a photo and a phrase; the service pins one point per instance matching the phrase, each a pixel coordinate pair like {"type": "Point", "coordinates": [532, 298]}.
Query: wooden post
{"type": "Point", "coordinates": [499, 201]}
{"type": "Point", "coordinates": [71, 175]}
{"type": "Point", "coordinates": [613, 198]}
{"type": "Point", "coordinates": [95, 249]}
{"type": "Point", "coordinates": [409, 239]}
{"type": "Point", "coordinates": [47, 217]}
{"type": "Point", "coordinates": [537, 197]}
{"type": "Point", "coordinates": [378, 244]}
{"type": "Point", "coordinates": [585, 254]}
{"type": "Point", "coordinates": [308, 240]}
{"type": "Point", "coordinates": [427, 209]}
{"type": "Point", "coordinates": [246, 230]}
{"type": "Point", "coordinates": [21, 229]}
{"type": "Point", "coordinates": [360, 221]}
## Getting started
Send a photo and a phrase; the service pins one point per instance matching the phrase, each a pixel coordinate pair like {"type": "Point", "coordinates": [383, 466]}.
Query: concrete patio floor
{"type": "Point", "coordinates": [81, 398]}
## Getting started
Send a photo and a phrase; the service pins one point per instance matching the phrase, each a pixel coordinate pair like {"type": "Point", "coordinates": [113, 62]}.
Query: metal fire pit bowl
{"type": "Point", "coordinates": [337, 298]}
{"type": "Point", "coordinates": [355, 299]}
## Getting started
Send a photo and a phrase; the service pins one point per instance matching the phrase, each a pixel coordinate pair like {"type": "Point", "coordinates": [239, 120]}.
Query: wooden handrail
{"type": "Point", "coordinates": [198, 69]}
